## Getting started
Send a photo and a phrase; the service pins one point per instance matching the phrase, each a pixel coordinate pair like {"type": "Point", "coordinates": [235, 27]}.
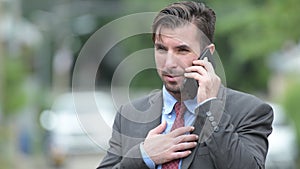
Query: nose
{"type": "Point", "coordinates": [171, 61]}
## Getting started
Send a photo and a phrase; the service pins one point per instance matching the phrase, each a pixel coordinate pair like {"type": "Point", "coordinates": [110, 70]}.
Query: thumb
{"type": "Point", "coordinates": [159, 129]}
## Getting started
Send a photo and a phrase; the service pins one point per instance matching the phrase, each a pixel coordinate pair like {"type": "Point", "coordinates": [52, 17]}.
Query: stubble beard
{"type": "Point", "coordinates": [173, 88]}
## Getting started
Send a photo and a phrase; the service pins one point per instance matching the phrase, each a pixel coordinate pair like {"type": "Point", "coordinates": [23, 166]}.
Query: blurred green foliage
{"type": "Point", "coordinates": [248, 32]}
{"type": "Point", "coordinates": [14, 96]}
{"type": "Point", "coordinates": [290, 101]}
{"type": "Point", "coordinates": [5, 160]}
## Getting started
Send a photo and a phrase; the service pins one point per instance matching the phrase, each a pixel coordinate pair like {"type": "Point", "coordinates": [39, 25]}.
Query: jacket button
{"type": "Point", "coordinates": [208, 113]}
{"type": "Point", "coordinates": [216, 128]}
{"type": "Point", "coordinates": [214, 124]}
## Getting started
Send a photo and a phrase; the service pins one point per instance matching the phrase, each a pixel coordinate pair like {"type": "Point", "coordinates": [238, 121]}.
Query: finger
{"type": "Point", "coordinates": [181, 130]}
{"type": "Point", "coordinates": [208, 65]}
{"type": "Point", "coordinates": [199, 69]}
{"type": "Point", "coordinates": [199, 62]}
{"type": "Point", "coordinates": [186, 138]}
{"type": "Point", "coordinates": [205, 63]}
{"type": "Point", "coordinates": [204, 78]}
{"type": "Point", "coordinates": [184, 146]}
{"type": "Point", "coordinates": [194, 75]}
{"type": "Point", "coordinates": [180, 154]}
{"type": "Point", "coordinates": [159, 129]}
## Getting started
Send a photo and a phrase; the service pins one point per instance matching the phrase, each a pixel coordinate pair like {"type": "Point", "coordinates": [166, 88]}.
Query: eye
{"type": "Point", "coordinates": [160, 48]}
{"type": "Point", "coordinates": [183, 50]}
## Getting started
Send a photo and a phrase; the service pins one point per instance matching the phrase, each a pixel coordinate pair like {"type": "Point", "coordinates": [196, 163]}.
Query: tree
{"type": "Point", "coordinates": [248, 32]}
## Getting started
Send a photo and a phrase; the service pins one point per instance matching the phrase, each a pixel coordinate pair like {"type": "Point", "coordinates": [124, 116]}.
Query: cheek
{"type": "Point", "coordinates": [187, 62]}
{"type": "Point", "coordinates": [159, 61]}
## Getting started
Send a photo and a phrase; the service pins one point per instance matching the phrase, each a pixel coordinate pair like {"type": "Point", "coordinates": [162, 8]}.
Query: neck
{"type": "Point", "coordinates": [176, 95]}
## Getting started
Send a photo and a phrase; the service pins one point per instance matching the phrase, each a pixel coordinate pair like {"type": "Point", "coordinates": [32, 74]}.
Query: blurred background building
{"type": "Point", "coordinates": [40, 41]}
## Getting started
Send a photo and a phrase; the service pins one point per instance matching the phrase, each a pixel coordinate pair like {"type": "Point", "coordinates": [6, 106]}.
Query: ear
{"type": "Point", "coordinates": [211, 48]}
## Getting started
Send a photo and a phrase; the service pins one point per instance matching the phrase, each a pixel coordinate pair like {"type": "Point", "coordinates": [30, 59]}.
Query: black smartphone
{"type": "Point", "coordinates": [190, 85]}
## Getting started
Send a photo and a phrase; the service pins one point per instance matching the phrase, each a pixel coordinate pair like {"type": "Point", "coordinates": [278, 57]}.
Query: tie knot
{"type": "Point", "coordinates": [179, 108]}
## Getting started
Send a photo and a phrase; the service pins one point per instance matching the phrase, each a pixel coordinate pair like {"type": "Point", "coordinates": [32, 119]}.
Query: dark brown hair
{"type": "Point", "coordinates": [181, 13]}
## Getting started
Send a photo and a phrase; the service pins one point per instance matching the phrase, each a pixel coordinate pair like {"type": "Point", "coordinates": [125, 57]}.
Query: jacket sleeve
{"type": "Point", "coordinates": [119, 155]}
{"type": "Point", "coordinates": [236, 135]}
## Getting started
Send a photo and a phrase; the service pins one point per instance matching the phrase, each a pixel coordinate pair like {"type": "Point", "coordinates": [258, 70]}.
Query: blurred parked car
{"type": "Point", "coordinates": [282, 142]}
{"type": "Point", "coordinates": [78, 124]}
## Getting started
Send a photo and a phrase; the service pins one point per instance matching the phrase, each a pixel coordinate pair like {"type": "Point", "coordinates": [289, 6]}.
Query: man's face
{"type": "Point", "coordinates": [175, 50]}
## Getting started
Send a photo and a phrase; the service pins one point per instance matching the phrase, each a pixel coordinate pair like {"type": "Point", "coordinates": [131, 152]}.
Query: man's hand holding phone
{"type": "Point", "coordinates": [203, 72]}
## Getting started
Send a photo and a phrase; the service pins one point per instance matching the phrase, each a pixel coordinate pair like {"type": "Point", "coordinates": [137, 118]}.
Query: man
{"type": "Point", "coordinates": [217, 129]}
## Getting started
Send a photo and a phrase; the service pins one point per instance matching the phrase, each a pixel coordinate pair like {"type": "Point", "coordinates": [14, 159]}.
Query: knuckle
{"type": "Point", "coordinates": [150, 132]}
{"type": "Point", "coordinates": [180, 139]}
{"type": "Point", "coordinates": [182, 146]}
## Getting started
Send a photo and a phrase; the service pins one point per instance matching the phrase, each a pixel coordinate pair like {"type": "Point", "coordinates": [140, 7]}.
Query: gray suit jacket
{"type": "Point", "coordinates": [233, 132]}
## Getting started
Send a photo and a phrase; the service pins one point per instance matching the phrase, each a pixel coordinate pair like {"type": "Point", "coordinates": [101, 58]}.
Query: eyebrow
{"type": "Point", "coordinates": [183, 47]}
{"type": "Point", "coordinates": [159, 45]}
{"type": "Point", "coordinates": [178, 47]}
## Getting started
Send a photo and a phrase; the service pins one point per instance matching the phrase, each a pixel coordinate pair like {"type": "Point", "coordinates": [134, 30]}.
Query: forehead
{"type": "Point", "coordinates": [184, 35]}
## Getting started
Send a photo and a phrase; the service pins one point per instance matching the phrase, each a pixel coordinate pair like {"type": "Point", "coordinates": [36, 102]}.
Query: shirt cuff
{"type": "Point", "coordinates": [213, 98]}
{"type": "Point", "coordinates": [148, 161]}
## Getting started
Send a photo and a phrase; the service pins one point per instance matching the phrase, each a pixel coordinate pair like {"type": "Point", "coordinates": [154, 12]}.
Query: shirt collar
{"type": "Point", "coordinates": [169, 102]}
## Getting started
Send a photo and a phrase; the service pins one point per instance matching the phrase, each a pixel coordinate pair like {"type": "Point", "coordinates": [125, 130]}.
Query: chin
{"type": "Point", "coordinates": [173, 88]}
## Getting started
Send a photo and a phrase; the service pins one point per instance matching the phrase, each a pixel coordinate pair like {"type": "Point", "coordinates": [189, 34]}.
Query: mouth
{"type": "Point", "coordinates": [172, 78]}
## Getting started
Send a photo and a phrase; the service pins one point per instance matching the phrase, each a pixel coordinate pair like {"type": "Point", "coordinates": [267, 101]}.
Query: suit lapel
{"type": "Point", "coordinates": [155, 110]}
{"type": "Point", "coordinates": [186, 162]}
